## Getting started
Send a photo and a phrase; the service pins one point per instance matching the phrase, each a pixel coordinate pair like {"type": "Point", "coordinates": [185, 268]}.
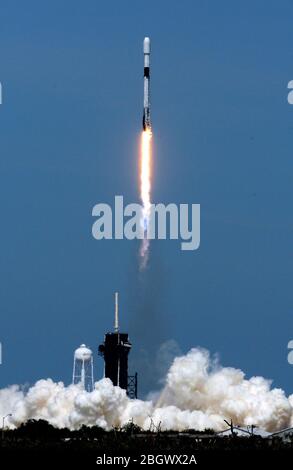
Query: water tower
{"type": "Point", "coordinates": [83, 368]}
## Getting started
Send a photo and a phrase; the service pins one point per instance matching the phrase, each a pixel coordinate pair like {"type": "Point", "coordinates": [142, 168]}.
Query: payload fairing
{"type": "Point", "coordinates": [146, 120]}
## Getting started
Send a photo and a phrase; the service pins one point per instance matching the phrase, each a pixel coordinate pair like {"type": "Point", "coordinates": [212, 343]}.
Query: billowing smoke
{"type": "Point", "coordinates": [198, 394]}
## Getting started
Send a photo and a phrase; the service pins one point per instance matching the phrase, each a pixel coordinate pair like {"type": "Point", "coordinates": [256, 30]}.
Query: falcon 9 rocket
{"type": "Point", "coordinates": [146, 120]}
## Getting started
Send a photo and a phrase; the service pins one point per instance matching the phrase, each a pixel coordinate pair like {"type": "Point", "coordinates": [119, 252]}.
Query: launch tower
{"type": "Point", "coordinates": [115, 350]}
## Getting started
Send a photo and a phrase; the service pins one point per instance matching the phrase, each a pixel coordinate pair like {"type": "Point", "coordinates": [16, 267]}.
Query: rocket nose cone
{"type": "Point", "coordinates": [146, 45]}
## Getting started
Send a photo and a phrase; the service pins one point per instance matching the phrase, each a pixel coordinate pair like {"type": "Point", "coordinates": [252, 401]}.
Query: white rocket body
{"type": "Point", "coordinates": [146, 120]}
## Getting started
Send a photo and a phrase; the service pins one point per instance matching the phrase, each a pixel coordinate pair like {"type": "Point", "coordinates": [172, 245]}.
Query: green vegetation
{"type": "Point", "coordinates": [38, 438]}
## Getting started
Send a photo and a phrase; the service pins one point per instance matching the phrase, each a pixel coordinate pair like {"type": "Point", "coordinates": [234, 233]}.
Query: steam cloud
{"type": "Point", "coordinates": [198, 394]}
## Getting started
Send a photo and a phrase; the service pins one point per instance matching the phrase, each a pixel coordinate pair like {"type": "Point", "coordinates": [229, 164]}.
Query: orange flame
{"type": "Point", "coordinates": [145, 190]}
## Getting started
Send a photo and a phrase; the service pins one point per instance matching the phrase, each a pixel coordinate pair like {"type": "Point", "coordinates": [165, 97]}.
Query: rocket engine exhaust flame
{"type": "Point", "coordinates": [145, 192]}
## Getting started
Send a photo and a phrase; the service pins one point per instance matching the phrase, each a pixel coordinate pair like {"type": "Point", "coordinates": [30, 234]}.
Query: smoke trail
{"type": "Point", "coordinates": [198, 394]}
{"type": "Point", "coordinates": [145, 193]}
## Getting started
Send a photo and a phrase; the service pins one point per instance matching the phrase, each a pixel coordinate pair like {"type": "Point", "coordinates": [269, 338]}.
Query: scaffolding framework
{"type": "Point", "coordinates": [132, 386]}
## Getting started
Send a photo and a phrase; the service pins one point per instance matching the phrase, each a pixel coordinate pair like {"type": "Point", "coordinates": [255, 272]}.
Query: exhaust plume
{"type": "Point", "coordinates": [145, 193]}
{"type": "Point", "coordinates": [198, 394]}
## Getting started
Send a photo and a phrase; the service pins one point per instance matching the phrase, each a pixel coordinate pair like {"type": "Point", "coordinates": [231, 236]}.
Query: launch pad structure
{"type": "Point", "coordinates": [115, 350]}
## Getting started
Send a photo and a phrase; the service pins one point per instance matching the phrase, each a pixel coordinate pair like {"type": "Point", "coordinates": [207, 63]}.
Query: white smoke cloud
{"type": "Point", "coordinates": [198, 394]}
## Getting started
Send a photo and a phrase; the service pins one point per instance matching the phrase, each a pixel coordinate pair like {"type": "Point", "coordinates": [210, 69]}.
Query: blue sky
{"type": "Point", "coordinates": [69, 138]}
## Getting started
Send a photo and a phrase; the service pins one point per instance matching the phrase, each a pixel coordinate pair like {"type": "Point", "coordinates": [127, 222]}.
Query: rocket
{"type": "Point", "coordinates": [146, 120]}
